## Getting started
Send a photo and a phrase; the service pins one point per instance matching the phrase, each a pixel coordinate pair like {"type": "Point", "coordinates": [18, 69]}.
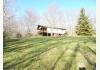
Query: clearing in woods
{"type": "Point", "coordinates": [50, 53]}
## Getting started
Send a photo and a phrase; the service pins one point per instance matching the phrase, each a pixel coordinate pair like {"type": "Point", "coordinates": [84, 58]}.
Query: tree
{"type": "Point", "coordinates": [84, 27]}
{"type": "Point", "coordinates": [30, 20]}
{"type": "Point", "coordinates": [9, 22]}
{"type": "Point", "coordinates": [54, 17]}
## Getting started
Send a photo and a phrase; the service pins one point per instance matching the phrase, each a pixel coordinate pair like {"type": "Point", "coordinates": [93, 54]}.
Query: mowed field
{"type": "Point", "coordinates": [50, 53]}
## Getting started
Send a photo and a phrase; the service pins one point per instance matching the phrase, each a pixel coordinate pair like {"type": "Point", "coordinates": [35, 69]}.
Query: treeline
{"type": "Point", "coordinates": [53, 17]}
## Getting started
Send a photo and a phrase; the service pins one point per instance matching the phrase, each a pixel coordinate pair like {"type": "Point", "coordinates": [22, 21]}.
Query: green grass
{"type": "Point", "coordinates": [50, 53]}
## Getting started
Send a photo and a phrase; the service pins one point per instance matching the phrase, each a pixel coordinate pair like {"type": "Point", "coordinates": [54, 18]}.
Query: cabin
{"type": "Point", "coordinates": [50, 31]}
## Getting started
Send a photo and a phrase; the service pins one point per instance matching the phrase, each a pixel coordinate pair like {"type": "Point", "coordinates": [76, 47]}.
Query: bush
{"type": "Point", "coordinates": [6, 36]}
{"type": "Point", "coordinates": [18, 35]}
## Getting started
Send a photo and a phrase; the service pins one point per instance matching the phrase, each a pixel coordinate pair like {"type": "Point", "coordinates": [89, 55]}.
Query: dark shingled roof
{"type": "Point", "coordinates": [52, 27]}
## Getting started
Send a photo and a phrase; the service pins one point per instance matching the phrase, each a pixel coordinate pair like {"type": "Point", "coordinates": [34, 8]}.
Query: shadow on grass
{"type": "Point", "coordinates": [88, 59]}
{"type": "Point", "coordinates": [29, 57]}
{"type": "Point", "coordinates": [58, 59]}
{"type": "Point", "coordinates": [18, 48]}
{"type": "Point", "coordinates": [68, 64]}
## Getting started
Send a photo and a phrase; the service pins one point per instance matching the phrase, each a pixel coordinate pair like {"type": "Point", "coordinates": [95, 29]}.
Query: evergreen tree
{"type": "Point", "coordinates": [84, 27]}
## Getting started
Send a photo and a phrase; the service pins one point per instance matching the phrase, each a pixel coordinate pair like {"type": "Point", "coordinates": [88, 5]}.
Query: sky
{"type": "Point", "coordinates": [40, 6]}
{"type": "Point", "coordinates": [70, 7]}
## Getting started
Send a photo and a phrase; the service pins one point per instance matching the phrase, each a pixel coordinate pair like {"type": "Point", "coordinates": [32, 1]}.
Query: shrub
{"type": "Point", "coordinates": [18, 35]}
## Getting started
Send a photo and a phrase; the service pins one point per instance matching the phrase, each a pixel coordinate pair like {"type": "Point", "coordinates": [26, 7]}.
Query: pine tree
{"type": "Point", "coordinates": [84, 27]}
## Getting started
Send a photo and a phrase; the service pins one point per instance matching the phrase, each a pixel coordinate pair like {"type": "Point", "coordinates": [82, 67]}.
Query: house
{"type": "Point", "coordinates": [50, 31]}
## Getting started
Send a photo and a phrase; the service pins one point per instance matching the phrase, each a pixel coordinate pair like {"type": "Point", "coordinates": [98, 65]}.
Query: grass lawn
{"type": "Point", "coordinates": [50, 53]}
